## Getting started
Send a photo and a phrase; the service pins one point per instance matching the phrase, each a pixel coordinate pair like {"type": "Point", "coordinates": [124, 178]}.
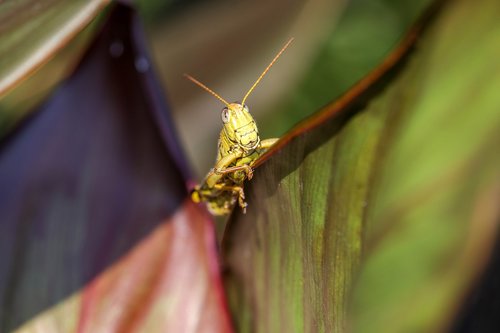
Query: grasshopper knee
{"type": "Point", "coordinates": [195, 195]}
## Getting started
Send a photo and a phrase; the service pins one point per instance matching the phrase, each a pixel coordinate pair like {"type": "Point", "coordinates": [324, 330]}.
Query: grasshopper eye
{"type": "Point", "coordinates": [225, 115]}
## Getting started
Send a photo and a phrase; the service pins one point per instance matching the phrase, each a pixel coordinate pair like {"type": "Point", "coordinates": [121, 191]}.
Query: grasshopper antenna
{"type": "Point", "coordinates": [265, 70]}
{"type": "Point", "coordinates": [189, 77]}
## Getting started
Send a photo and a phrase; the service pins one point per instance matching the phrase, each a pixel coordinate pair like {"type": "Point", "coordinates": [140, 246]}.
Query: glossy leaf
{"type": "Point", "coordinates": [95, 230]}
{"type": "Point", "coordinates": [379, 212]}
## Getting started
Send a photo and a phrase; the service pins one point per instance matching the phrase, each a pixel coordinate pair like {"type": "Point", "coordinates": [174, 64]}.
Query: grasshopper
{"type": "Point", "coordinates": [238, 148]}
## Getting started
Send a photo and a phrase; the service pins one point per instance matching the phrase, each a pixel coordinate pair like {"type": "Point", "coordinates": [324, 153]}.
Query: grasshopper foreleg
{"type": "Point", "coordinates": [248, 170]}
{"type": "Point", "coordinates": [267, 143]}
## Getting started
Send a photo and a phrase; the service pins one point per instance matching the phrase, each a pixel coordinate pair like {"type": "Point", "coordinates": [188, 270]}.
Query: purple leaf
{"type": "Point", "coordinates": [92, 172]}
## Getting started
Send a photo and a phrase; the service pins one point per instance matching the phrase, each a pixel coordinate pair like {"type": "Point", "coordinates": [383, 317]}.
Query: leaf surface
{"type": "Point", "coordinates": [169, 282]}
{"type": "Point", "coordinates": [32, 31]}
{"type": "Point", "coordinates": [95, 230]}
{"type": "Point", "coordinates": [40, 44]}
{"type": "Point", "coordinates": [382, 207]}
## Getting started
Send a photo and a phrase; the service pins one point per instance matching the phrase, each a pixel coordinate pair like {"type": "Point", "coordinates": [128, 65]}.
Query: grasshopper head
{"type": "Point", "coordinates": [239, 126]}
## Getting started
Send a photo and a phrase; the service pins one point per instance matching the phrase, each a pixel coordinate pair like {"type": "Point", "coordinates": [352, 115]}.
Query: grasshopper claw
{"type": "Point", "coordinates": [249, 172]}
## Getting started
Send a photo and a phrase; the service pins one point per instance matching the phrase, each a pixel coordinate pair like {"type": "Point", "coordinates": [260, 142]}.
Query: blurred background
{"type": "Point", "coordinates": [227, 44]}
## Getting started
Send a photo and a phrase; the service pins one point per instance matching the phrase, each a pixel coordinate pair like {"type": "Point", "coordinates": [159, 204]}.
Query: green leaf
{"type": "Point", "coordinates": [362, 38]}
{"type": "Point", "coordinates": [378, 213]}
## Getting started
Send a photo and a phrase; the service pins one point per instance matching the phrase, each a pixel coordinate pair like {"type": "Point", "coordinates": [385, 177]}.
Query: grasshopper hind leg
{"type": "Point", "coordinates": [222, 200]}
{"type": "Point", "coordinates": [237, 190]}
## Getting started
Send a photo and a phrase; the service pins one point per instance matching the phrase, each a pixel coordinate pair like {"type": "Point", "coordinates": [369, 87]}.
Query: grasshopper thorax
{"type": "Point", "coordinates": [239, 126]}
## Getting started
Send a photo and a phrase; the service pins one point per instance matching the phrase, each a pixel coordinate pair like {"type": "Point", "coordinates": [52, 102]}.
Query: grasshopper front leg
{"type": "Point", "coordinates": [264, 146]}
{"type": "Point", "coordinates": [222, 167]}
{"type": "Point", "coordinates": [214, 179]}
{"type": "Point", "coordinates": [204, 191]}
{"type": "Point", "coordinates": [267, 143]}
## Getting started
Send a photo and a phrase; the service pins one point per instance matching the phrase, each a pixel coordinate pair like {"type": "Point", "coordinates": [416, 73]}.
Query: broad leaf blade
{"type": "Point", "coordinates": [434, 204]}
{"type": "Point", "coordinates": [40, 44]}
{"type": "Point", "coordinates": [379, 220]}
{"type": "Point", "coordinates": [93, 203]}
{"type": "Point", "coordinates": [169, 282]}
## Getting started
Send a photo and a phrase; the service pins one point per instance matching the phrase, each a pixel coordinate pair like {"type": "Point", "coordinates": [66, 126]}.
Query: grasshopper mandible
{"type": "Point", "coordinates": [238, 148]}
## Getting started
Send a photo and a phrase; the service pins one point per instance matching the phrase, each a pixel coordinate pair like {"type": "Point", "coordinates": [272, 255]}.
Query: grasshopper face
{"type": "Point", "coordinates": [239, 126]}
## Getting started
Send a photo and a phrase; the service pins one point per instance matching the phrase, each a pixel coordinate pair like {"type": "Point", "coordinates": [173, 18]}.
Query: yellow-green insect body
{"type": "Point", "coordinates": [238, 148]}
{"type": "Point", "coordinates": [239, 132]}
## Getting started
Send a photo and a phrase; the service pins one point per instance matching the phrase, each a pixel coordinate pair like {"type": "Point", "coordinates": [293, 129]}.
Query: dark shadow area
{"type": "Point", "coordinates": [481, 310]}
{"type": "Point", "coordinates": [95, 169]}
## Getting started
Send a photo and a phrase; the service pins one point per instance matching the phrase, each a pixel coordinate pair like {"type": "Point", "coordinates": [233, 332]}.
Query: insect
{"type": "Point", "coordinates": [238, 148]}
